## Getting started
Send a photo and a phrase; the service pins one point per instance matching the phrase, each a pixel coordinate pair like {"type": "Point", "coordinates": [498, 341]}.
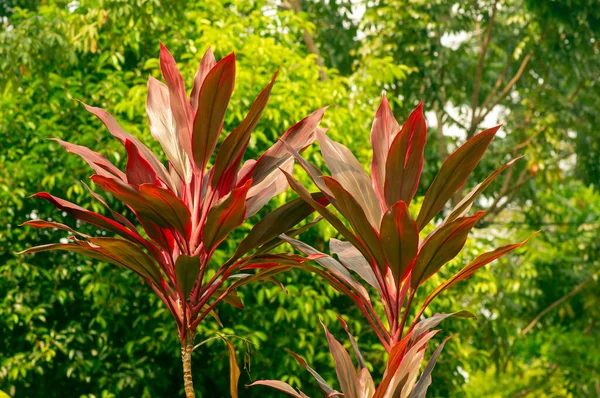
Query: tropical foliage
{"type": "Point", "coordinates": [69, 323]}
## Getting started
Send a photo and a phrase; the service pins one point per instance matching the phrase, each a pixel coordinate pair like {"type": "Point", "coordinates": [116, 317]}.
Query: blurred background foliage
{"type": "Point", "coordinates": [73, 327]}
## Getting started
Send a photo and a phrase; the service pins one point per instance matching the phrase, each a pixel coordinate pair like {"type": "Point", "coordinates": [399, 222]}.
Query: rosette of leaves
{"type": "Point", "coordinates": [183, 211]}
{"type": "Point", "coordinates": [384, 248]}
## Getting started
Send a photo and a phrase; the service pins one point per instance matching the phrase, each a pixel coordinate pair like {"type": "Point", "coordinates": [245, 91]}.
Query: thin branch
{"type": "Point", "coordinates": [557, 303]}
{"type": "Point", "coordinates": [479, 71]}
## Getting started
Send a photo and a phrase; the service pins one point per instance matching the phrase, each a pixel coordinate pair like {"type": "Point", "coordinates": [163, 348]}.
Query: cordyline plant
{"type": "Point", "coordinates": [185, 211]}
{"type": "Point", "coordinates": [383, 244]}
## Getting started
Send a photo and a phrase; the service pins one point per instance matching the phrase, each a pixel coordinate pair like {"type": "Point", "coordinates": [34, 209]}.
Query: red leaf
{"type": "Point", "coordinates": [473, 266]}
{"type": "Point", "coordinates": [120, 134]}
{"type": "Point", "coordinates": [212, 104]}
{"type": "Point", "coordinates": [94, 218]}
{"type": "Point", "coordinates": [170, 208]}
{"type": "Point", "coordinates": [384, 128]}
{"type": "Point", "coordinates": [299, 136]}
{"type": "Point", "coordinates": [453, 174]}
{"type": "Point", "coordinates": [275, 223]}
{"type": "Point", "coordinates": [399, 239]}
{"type": "Point", "coordinates": [231, 150]}
{"type": "Point", "coordinates": [465, 204]}
{"type": "Point", "coordinates": [183, 115]}
{"type": "Point", "coordinates": [206, 64]}
{"type": "Point", "coordinates": [441, 246]}
{"type": "Point", "coordinates": [405, 160]}
{"type": "Point", "coordinates": [138, 170]}
{"type": "Point", "coordinates": [97, 161]}
{"type": "Point", "coordinates": [226, 215]}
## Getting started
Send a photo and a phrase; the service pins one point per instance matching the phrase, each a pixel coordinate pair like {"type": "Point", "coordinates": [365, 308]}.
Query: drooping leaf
{"type": "Point", "coordinates": [399, 239]}
{"type": "Point", "coordinates": [441, 246]}
{"type": "Point", "coordinates": [453, 175]}
{"type": "Point", "coordinates": [234, 370]}
{"type": "Point", "coordinates": [327, 389]}
{"type": "Point", "coordinates": [93, 218]}
{"type": "Point", "coordinates": [330, 264]}
{"type": "Point", "coordinates": [98, 162]}
{"type": "Point", "coordinates": [187, 269]}
{"type": "Point", "coordinates": [213, 99]}
{"type": "Point", "coordinates": [405, 160]}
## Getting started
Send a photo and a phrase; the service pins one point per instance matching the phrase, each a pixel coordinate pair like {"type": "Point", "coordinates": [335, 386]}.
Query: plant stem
{"type": "Point", "coordinates": [187, 345]}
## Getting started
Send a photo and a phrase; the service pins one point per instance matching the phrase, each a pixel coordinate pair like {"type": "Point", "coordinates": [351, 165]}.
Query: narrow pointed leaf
{"type": "Point", "coordinates": [465, 204]}
{"type": "Point", "coordinates": [180, 106]}
{"type": "Point", "coordinates": [405, 160]}
{"type": "Point", "coordinates": [327, 389]}
{"type": "Point", "coordinates": [213, 99]}
{"type": "Point", "coordinates": [420, 389]}
{"type": "Point", "coordinates": [234, 370]}
{"type": "Point", "coordinates": [277, 222]}
{"type": "Point", "coordinates": [473, 266]}
{"type": "Point", "coordinates": [163, 129]}
{"type": "Point", "coordinates": [441, 246]}
{"type": "Point", "coordinates": [206, 64]}
{"type": "Point", "coordinates": [349, 173]}
{"type": "Point", "coordinates": [352, 259]}
{"type": "Point", "coordinates": [453, 174]}
{"type": "Point", "coordinates": [299, 136]}
{"type": "Point", "coordinates": [236, 142]}
{"type": "Point", "coordinates": [344, 367]}
{"type": "Point", "coordinates": [117, 131]}
{"type": "Point", "coordinates": [98, 162]}
{"type": "Point", "coordinates": [330, 264]}
{"type": "Point", "coordinates": [168, 206]}
{"type": "Point", "coordinates": [433, 321]}
{"type": "Point", "coordinates": [383, 129]}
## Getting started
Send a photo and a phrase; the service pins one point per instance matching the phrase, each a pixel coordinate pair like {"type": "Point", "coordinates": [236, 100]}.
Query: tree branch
{"type": "Point", "coordinates": [557, 303]}
{"type": "Point", "coordinates": [479, 71]}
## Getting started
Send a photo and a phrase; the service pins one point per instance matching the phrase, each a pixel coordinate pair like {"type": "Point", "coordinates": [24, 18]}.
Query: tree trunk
{"type": "Point", "coordinates": [186, 358]}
